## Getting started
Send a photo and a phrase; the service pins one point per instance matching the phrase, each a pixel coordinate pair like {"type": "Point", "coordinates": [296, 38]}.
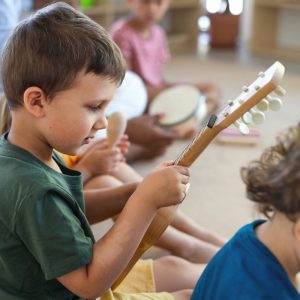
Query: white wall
{"type": "Point", "coordinates": [288, 30]}
{"type": "Point", "coordinates": [245, 22]}
{"type": "Point", "coordinates": [288, 26]}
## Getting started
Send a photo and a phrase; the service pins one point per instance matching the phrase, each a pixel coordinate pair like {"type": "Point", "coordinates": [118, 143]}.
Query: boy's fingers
{"type": "Point", "coordinates": [167, 163]}
{"type": "Point", "coordinates": [182, 170]}
{"type": "Point", "coordinates": [185, 179]}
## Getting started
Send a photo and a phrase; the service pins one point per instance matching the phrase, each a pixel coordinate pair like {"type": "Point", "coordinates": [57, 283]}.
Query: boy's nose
{"type": "Point", "coordinates": [100, 123]}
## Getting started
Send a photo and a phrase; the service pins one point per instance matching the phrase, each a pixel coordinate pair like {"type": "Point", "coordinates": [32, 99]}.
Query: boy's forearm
{"type": "Point", "coordinates": [120, 243]}
{"type": "Point", "coordinates": [113, 251]}
{"type": "Point", "coordinates": [102, 204]}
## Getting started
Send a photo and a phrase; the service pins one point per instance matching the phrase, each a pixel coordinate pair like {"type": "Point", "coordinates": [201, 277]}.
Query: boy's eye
{"type": "Point", "coordinates": [95, 108]}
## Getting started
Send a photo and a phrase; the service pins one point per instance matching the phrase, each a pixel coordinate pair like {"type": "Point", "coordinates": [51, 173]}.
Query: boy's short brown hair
{"type": "Point", "coordinates": [51, 47]}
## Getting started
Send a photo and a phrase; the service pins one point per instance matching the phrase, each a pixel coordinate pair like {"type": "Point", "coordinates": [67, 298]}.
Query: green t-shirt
{"type": "Point", "coordinates": [43, 229]}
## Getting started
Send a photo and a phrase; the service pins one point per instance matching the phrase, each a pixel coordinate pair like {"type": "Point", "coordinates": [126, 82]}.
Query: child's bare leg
{"type": "Point", "coordinates": [186, 246]}
{"type": "Point", "coordinates": [126, 173]}
{"type": "Point", "coordinates": [182, 222]}
{"type": "Point", "coordinates": [188, 240]}
{"type": "Point", "coordinates": [189, 226]}
{"type": "Point", "coordinates": [138, 152]}
{"type": "Point", "coordinates": [102, 181]}
{"type": "Point", "coordinates": [173, 274]}
{"type": "Point", "coordinates": [182, 295]}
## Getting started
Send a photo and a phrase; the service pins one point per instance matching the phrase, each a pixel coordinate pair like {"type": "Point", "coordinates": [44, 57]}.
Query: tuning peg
{"type": "Point", "coordinates": [230, 102]}
{"type": "Point", "coordinates": [245, 89]}
{"type": "Point", "coordinates": [247, 118]}
{"type": "Point", "coordinates": [280, 91]}
{"type": "Point", "coordinates": [261, 74]}
{"type": "Point", "coordinates": [242, 127]}
{"type": "Point", "coordinates": [263, 105]}
{"type": "Point", "coordinates": [275, 103]}
{"type": "Point", "coordinates": [257, 116]}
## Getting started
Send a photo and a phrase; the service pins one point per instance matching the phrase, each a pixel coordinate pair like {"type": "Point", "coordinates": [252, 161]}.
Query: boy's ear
{"type": "Point", "coordinates": [34, 101]}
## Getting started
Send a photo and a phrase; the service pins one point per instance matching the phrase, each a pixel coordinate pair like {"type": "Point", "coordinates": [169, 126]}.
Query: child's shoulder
{"type": "Point", "coordinates": [158, 31]}
{"type": "Point", "coordinates": [120, 26]}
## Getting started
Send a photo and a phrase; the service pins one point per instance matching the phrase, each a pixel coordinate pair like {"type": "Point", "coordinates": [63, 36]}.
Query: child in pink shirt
{"type": "Point", "coordinates": [145, 56]}
{"type": "Point", "coordinates": [145, 48]}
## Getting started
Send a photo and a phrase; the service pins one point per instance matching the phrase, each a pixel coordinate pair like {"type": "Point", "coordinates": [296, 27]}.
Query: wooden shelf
{"type": "Point", "coordinates": [181, 20]}
{"type": "Point", "coordinates": [290, 4]}
{"type": "Point", "coordinates": [265, 28]}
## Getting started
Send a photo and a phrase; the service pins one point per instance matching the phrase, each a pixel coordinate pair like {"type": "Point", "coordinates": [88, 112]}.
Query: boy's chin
{"type": "Point", "coordinates": [71, 152]}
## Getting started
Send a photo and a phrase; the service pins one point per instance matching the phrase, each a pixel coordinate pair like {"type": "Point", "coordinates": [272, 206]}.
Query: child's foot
{"type": "Point", "coordinates": [212, 93]}
{"type": "Point", "coordinates": [213, 101]}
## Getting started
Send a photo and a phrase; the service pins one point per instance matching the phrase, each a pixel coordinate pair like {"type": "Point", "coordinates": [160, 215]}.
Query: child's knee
{"type": "Point", "coordinates": [183, 294]}
{"type": "Point", "coordinates": [103, 181]}
{"type": "Point", "coordinates": [173, 263]}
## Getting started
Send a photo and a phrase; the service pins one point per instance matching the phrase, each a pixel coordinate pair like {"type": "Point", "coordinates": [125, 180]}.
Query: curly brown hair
{"type": "Point", "coordinates": [273, 181]}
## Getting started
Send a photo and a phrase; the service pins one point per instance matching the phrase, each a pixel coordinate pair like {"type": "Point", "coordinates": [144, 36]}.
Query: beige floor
{"type": "Point", "coordinates": [216, 198]}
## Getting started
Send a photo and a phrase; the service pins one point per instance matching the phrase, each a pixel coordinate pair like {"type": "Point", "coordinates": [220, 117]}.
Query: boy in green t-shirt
{"type": "Point", "coordinates": [60, 70]}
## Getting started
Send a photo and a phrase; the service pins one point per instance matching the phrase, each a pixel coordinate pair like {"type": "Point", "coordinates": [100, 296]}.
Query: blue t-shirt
{"type": "Point", "coordinates": [245, 269]}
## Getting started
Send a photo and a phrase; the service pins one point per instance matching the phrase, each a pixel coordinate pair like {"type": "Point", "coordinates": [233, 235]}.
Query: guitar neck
{"type": "Point", "coordinates": [199, 144]}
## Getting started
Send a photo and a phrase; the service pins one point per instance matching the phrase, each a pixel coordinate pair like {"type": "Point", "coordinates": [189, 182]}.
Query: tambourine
{"type": "Point", "coordinates": [183, 108]}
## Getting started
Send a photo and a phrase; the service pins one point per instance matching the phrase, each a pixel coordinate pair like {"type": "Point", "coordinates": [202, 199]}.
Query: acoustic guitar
{"type": "Point", "coordinates": [247, 108]}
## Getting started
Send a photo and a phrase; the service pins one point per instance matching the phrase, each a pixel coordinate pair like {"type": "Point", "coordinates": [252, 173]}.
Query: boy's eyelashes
{"type": "Point", "coordinates": [95, 108]}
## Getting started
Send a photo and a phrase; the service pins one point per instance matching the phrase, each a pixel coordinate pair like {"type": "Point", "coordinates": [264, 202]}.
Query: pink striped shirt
{"type": "Point", "coordinates": [146, 56]}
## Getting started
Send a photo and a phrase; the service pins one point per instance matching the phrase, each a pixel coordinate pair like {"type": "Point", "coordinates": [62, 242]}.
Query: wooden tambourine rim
{"type": "Point", "coordinates": [193, 113]}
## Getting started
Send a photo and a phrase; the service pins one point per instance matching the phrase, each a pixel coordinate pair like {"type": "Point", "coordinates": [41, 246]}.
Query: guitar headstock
{"type": "Point", "coordinates": [255, 98]}
{"type": "Point", "coordinates": [247, 108]}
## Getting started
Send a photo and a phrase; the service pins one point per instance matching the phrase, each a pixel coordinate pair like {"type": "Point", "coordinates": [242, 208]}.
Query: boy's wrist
{"type": "Point", "coordinates": [143, 202]}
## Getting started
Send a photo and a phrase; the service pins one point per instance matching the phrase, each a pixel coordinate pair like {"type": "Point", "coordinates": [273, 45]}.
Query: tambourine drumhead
{"type": "Point", "coordinates": [179, 104]}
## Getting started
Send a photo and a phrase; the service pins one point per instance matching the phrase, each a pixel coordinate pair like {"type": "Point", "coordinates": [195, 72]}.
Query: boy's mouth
{"type": "Point", "coordinates": [88, 140]}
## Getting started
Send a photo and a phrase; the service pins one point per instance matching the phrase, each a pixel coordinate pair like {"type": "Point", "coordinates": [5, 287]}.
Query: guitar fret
{"type": "Point", "coordinates": [197, 136]}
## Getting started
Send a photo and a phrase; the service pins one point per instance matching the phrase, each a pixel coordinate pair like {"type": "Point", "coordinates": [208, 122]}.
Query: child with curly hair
{"type": "Point", "coordinates": [262, 260]}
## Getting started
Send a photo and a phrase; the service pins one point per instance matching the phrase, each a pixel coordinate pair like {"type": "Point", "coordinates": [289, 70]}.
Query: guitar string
{"type": "Point", "coordinates": [197, 135]}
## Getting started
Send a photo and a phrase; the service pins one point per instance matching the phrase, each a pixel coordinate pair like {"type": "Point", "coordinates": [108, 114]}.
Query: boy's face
{"type": "Point", "coordinates": [74, 115]}
{"type": "Point", "coordinates": [149, 11]}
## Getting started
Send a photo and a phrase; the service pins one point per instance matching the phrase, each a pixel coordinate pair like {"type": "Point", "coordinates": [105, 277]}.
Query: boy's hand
{"type": "Point", "coordinates": [165, 186]}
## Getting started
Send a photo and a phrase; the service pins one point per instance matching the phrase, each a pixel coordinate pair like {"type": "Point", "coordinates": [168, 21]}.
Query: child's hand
{"type": "Point", "coordinates": [143, 130]}
{"type": "Point", "coordinates": [98, 159]}
{"type": "Point", "coordinates": [123, 144]}
{"type": "Point", "coordinates": [165, 186]}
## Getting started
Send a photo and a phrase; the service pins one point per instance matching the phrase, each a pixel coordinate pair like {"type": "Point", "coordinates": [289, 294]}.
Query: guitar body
{"type": "Point", "coordinates": [233, 113]}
